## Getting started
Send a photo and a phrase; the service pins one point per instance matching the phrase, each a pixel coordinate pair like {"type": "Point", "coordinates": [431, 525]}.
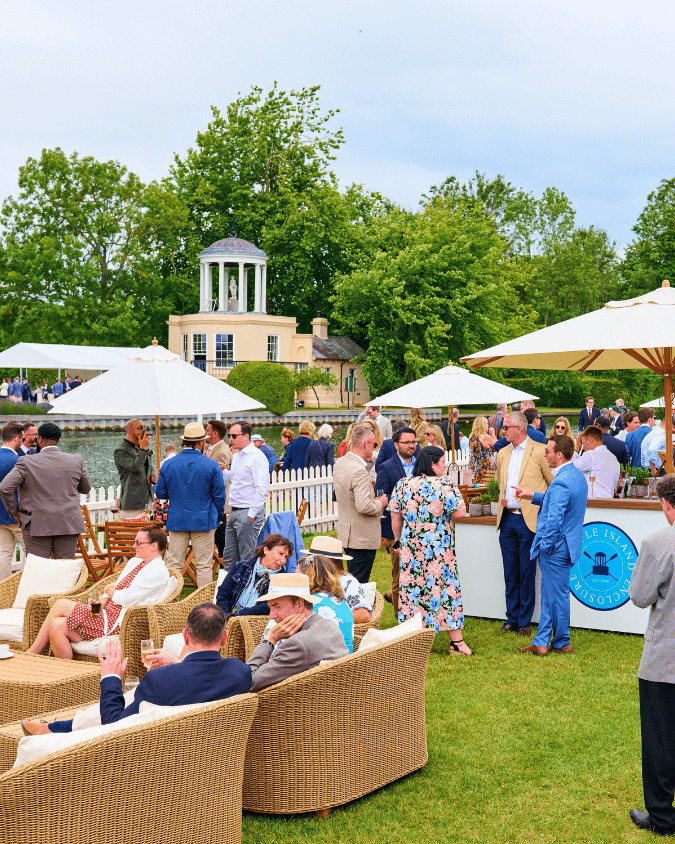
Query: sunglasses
{"type": "Point", "coordinates": [560, 428]}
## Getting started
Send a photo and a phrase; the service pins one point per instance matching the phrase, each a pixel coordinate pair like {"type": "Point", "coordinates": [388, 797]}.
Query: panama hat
{"type": "Point", "coordinates": [194, 433]}
{"type": "Point", "coordinates": [327, 546]}
{"type": "Point", "coordinates": [289, 585]}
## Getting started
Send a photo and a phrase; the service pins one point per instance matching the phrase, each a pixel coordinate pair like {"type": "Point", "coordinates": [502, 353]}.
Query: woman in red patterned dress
{"type": "Point", "coordinates": [142, 581]}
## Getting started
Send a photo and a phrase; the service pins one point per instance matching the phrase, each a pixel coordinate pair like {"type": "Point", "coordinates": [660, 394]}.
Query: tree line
{"type": "Point", "coordinates": [89, 254]}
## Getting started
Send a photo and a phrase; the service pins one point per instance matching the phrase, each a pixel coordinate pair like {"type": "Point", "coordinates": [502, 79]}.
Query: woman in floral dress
{"type": "Point", "coordinates": [421, 517]}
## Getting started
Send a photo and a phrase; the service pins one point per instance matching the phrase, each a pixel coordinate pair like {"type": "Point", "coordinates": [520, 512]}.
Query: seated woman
{"type": "Point", "coordinates": [248, 580]}
{"type": "Point", "coordinates": [324, 581]}
{"type": "Point", "coordinates": [361, 607]}
{"type": "Point", "coordinates": [141, 581]}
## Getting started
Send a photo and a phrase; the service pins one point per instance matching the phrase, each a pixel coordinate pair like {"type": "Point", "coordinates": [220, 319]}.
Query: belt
{"type": "Point", "coordinates": [240, 508]}
{"type": "Point", "coordinates": [518, 511]}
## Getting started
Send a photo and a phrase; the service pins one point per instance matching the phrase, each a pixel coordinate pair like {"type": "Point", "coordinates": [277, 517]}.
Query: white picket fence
{"type": "Point", "coordinates": [99, 501]}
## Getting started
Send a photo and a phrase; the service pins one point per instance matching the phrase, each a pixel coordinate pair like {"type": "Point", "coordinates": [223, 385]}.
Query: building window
{"type": "Point", "coordinates": [328, 369]}
{"type": "Point", "coordinates": [184, 347]}
{"type": "Point", "coordinates": [273, 348]}
{"type": "Point", "coordinates": [300, 367]}
{"type": "Point", "coordinates": [224, 350]}
{"type": "Point", "coordinates": [199, 350]}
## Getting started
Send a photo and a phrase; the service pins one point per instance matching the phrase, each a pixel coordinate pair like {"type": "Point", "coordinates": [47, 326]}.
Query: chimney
{"type": "Point", "coordinates": [320, 326]}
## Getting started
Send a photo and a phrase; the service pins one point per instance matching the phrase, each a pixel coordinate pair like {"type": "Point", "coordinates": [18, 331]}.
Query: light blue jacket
{"type": "Point", "coordinates": [194, 485]}
{"type": "Point", "coordinates": [561, 514]}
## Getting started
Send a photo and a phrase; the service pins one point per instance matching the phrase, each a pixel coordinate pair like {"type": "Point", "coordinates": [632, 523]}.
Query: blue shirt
{"type": "Point", "coordinates": [656, 441]}
{"type": "Point", "coordinates": [408, 467]}
{"type": "Point", "coordinates": [339, 613]}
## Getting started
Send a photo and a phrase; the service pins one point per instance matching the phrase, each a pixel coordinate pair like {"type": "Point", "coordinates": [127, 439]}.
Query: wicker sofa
{"type": "Point", "coordinates": [37, 607]}
{"type": "Point", "coordinates": [378, 697]}
{"type": "Point", "coordinates": [135, 624]}
{"type": "Point", "coordinates": [159, 783]}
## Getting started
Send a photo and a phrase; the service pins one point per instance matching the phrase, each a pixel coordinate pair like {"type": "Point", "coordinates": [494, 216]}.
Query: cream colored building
{"type": "Point", "coordinates": [225, 332]}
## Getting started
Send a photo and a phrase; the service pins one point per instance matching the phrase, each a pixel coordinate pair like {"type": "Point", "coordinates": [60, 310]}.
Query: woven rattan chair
{"type": "Point", "coordinates": [98, 561]}
{"type": "Point", "coordinates": [375, 621]}
{"type": "Point", "coordinates": [135, 624]}
{"type": "Point", "coordinates": [37, 606]}
{"type": "Point", "coordinates": [119, 542]}
{"type": "Point", "coordinates": [108, 789]}
{"type": "Point", "coordinates": [379, 737]}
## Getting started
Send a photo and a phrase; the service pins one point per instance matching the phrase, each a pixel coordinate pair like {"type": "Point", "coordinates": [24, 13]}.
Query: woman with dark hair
{"type": "Point", "coordinates": [247, 580]}
{"type": "Point", "coordinates": [324, 581]}
{"type": "Point", "coordinates": [421, 518]}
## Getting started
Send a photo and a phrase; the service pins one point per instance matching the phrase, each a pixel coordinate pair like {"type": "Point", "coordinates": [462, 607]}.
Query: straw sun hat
{"type": "Point", "coordinates": [194, 433]}
{"type": "Point", "coordinates": [327, 546]}
{"type": "Point", "coordinates": [289, 585]}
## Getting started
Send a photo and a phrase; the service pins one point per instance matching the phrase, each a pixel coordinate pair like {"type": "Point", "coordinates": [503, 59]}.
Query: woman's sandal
{"type": "Point", "coordinates": [454, 647]}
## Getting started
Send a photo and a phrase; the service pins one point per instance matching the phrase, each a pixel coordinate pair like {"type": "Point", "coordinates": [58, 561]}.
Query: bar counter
{"type": "Point", "coordinates": [613, 532]}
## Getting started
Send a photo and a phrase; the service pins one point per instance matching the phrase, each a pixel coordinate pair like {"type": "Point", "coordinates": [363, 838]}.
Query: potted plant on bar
{"type": "Point", "coordinates": [642, 477]}
{"type": "Point", "coordinates": [475, 507]}
{"type": "Point", "coordinates": [493, 495]}
{"type": "Point", "coordinates": [485, 501]}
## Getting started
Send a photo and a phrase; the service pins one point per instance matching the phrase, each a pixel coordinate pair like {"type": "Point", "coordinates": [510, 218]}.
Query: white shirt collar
{"type": "Point", "coordinates": [9, 447]}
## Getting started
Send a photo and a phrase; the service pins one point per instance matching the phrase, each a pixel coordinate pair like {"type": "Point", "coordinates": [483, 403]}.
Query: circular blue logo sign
{"type": "Point", "coordinates": [601, 576]}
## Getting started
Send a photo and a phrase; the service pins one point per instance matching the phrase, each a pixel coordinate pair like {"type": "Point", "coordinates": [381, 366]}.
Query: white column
{"type": "Point", "coordinates": [263, 290]}
{"type": "Point", "coordinates": [201, 285]}
{"type": "Point", "coordinates": [245, 308]}
{"type": "Point", "coordinates": [222, 297]}
{"type": "Point", "coordinates": [208, 286]}
{"type": "Point", "coordinates": [242, 301]}
{"type": "Point", "coordinates": [257, 300]}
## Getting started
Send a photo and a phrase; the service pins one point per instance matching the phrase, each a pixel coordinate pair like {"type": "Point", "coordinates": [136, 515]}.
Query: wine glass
{"type": "Point", "coordinates": [130, 683]}
{"type": "Point", "coordinates": [591, 481]}
{"type": "Point", "coordinates": [146, 645]}
{"type": "Point", "coordinates": [378, 494]}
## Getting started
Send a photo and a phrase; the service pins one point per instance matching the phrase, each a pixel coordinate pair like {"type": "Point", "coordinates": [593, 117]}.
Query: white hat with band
{"type": "Point", "coordinates": [291, 586]}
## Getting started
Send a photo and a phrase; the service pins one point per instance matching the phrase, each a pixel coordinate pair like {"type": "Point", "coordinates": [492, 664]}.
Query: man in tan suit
{"type": "Point", "coordinates": [653, 585]}
{"type": "Point", "coordinates": [520, 464]}
{"type": "Point", "coordinates": [359, 512]}
{"type": "Point", "coordinates": [49, 485]}
{"type": "Point", "coordinates": [220, 451]}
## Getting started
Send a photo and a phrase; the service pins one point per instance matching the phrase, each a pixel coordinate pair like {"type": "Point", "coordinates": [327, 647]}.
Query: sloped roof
{"type": "Point", "coordinates": [336, 348]}
{"type": "Point", "coordinates": [233, 246]}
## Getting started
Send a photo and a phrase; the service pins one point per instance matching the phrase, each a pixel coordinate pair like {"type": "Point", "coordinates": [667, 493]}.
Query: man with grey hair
{"type": "Point", "coordinates": [495, 422]}
{"type": "Point", "coordinates": [360, 512]}
{"type": "Point", "coordinates": [653, 585]}
{"type": "Point", "coordinates": [521, 464]}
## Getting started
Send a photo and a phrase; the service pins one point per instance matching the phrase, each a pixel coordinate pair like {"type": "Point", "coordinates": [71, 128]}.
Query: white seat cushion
{"type": "Point", "coordinates": [41, 576]}
{"type": "Point", "coordinates": [91, 716]}
{"type": "Point", "coordinates": [169, 589]}
{"type": "Point", "coordinates": [89, 648]}
{"type": "Point", "coordinates": [222, 574]}
{"type": "Point", "coordinates": [377, 637]}
{"type": "Point", "coordinates": [369, 590]}
{"type": "Point", "coordinates": [174, 644]}
{"type": "Point", "coordinates": [11, 625]}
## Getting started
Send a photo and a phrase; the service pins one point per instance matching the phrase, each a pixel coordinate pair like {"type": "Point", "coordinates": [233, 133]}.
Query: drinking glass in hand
{"type": "Point", "coordinates": [146, 645]}
{"type": "Point", "coordinates": [95, 603]}
{"type": "Point", "coordinates": [130, 683]}
{"type": "Point", "coordinates": [378, 494]}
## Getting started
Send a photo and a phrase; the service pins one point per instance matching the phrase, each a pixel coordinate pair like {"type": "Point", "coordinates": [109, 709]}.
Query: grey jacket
{"type": "Point", "coordinates": [317, 639]}
{"type": "Point", "coordinates": [133, 467]}
{"type": "Point", "coordinates": [49, 484]}
{"type": "Point", "coordinates": [652, 586]}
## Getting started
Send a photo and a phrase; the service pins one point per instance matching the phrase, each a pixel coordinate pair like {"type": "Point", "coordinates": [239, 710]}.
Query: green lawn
{"type": "Point", "coordinates": [521, 750]}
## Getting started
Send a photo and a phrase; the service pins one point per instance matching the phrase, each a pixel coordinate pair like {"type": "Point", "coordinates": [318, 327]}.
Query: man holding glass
{"type": "Point", "coordinates": [132, 461]}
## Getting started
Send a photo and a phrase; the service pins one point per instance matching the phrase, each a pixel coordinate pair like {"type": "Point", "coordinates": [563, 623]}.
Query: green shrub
{"type": "Point", "coordinates": [269, 383]}
{"type": "Point", "coordinates": [493, 490]}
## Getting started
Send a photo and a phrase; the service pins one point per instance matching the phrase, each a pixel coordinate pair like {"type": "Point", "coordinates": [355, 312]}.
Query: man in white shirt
{"type": "Point", "coordinates": [631, 422]}
{"type": "Point", "coordinates": [597, 462]}
{"type": "Point", "coordinates": [249, 480]}
{"type": "Point", "coordinates": [382, 422]}
{"type": "Point", "coordinates": [654, 442]}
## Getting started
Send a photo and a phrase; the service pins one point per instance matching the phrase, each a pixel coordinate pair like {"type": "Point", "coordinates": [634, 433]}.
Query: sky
{"type": "Point", "coordinates": [575, 95]}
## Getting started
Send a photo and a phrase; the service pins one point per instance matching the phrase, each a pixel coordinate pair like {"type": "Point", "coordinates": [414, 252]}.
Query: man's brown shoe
{"type": "Point", "coordinates": [566, 650]}
{"type": "Point", "coordinates": [387, 596]}
{"type": "Point", "coordinates": [524, 631]}
{"type": "Point", "coordinates": [534, 649]}
{"type": "Point", "coordinates": [508, 628]}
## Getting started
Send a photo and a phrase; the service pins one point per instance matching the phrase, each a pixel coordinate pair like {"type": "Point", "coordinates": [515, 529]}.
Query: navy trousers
{"type": "Point", "coordinates": [515, 540]}
{"type": "Point", "coordinates": [554, 619]}
{"type": "Point", "coordinates": [362, 563]}
{"type": "Point", "coordinates": [657, 715]}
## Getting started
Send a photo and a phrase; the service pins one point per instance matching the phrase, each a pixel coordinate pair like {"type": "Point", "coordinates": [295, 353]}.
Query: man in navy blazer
{"type": "Point", "coordinates": [388, 450]}
{"type": "Point", "coordinates": [10, 532]}
{"type": "Point", "coordinates": [201, 677]}
{"type": "Point", "coordinates": [390, 472]}
{"type": "Point", "coordinates": [194, 485]}
{"type": "Point", "coordinates": [557, 542]}
{"type": "Point", "coordinates": [588, 414]}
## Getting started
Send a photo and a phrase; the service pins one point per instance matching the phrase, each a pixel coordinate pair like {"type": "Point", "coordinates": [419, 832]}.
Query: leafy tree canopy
{"type": "Point", "coordinates": [311, 378]}
{"type": "Point", "coordinates": [650, 258]}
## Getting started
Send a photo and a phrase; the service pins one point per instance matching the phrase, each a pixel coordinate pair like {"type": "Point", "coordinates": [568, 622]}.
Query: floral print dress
{"type": "Point", "coordinates": [480, 460]}
{"type": "Point", "coordinates": [428, 580]}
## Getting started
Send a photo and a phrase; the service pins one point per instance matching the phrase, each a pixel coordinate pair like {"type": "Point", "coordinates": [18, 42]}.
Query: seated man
{"type": "Point", "coordinates": [201, 677]}
{"type": "Point", "coordinates": [300, 639]}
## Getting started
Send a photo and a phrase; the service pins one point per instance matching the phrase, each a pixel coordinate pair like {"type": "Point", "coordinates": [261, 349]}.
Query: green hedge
{"type": "Point", "coordinates": [269, 383]}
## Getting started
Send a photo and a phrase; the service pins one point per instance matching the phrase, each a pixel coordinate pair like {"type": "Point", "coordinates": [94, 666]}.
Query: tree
{"type": "Point", "coordinates": [266, 161]}
{"type": "Point", "coordinates": [311, 378]}
{"type": "Point", "coordinates": [78, 253]}
{"type": "Point", "coordinates": [269, 383]}
{"type": "Point", "coordinates": [428, 288]}
{"type": "Point", "coordinates": [650, 258]}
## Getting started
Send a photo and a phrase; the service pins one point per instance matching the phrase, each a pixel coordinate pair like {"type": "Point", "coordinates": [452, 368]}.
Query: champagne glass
{"type": "Point", "coordinates": [591, 480]}
{"type": "Point", "coordinates": [130, 683]}
{"type": "Point", "coordinates": [146, 645]}
{"type": "Point", "coordinates": [379, 493]}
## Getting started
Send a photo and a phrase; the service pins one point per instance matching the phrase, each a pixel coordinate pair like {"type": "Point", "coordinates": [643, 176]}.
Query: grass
{"type": "Point", "coordinates": [521, 750]}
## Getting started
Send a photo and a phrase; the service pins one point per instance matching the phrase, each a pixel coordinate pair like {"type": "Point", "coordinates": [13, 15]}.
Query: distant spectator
{"type": "Point", "coordinates": [419, 425]}
{"type": "Point", "coordinates": [321, 452]}
{"type": "Point", "coordinates": [525, 405]}
{"type": "Point", "coordinates": [635, 438]}
{"type": "Point", "coordinates": [76, 382]}
{"type": "Point", "coordinates": [435, 436]}
{"type": "Point", "coordinates": [495, 422]}
{"type": "Point", "coordinates": [4, 388]}
{"type": "Point", "coordinates": [589, 413]}
{"type": "Point", "coordinates": [169, 452]}
{"type": "Point", "coordinates": [260, 443]}
{"type": "Point", "coordinates": [617, 448]}
{"type": "Point", "coordinates": [631, 422]}
{"type": "Point", "coordinates": [480, 448]}
{"type": "Point", "coordinates": [297, 449]}
{"type": "Point", "coordinates": [26, 392]}
{"type": "Point", "coordinates": [654, 442]}
{"type": "Point", "coordinates": [384, 424]}
{"type": "Point", "coordinates": [446, 432]}
{"type": "Point", "coordinates": [562, 427]}
{"type": "Point", "coordinates": [343, 448]}
{"type": "Point", "coordinates": [615, 421]}
{"type": "Point", "coordinates": [57, 388]}
{"type": "Point", "coordinates": [287, 437]}
{"type": "Point", "coordinates": [15, 390]}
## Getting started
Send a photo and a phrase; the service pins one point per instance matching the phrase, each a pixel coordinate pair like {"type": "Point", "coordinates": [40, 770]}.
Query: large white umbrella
{"type": "Point", "coordinates": [450, 386]}
{"type": "Point", "coordinates": [661, 403]}
{"type": "Point", "coordinates": [153, 382]}
{"type": "Point", "coordinates": [635, 333]}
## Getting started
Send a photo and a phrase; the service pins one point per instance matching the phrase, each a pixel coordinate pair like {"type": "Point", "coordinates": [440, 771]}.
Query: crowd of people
{"type": "Point", "coordinates": [19, 390]}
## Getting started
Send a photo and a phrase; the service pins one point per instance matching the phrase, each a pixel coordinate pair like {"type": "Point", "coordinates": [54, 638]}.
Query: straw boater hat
{"type": "Point", "coordinates": [291, 585]}
{"type": "Point", "coordinates": [327, 546]}
{"type": "Point", "coordinates": [193, 433]}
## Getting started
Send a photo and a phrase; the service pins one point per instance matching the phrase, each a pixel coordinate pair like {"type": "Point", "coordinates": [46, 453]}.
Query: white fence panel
{"type": "Point", "coordinates": [287, 489]}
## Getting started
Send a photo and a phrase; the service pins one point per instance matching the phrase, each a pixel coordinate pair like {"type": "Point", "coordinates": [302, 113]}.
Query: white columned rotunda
{"type": "Point", "coordinates": [228, 290]}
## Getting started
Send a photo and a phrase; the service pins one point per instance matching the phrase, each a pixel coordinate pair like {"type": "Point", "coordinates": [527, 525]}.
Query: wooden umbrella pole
{"type": "Point", "coordinates": [158, 444]}
{"type": "Point", "coordinates": [668, 396]}
{"type": "Point", "coordinates": [451, 428]}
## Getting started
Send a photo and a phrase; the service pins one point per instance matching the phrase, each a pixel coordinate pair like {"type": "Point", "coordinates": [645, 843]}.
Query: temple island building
{"type": "Point", "coordinates": [233, 326]}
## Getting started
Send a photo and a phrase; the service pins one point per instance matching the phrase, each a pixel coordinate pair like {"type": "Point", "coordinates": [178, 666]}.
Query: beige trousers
{"type": "Point", "coordinates": [9, 536]}
{"type": "Point", "coordinates": [202, 545]}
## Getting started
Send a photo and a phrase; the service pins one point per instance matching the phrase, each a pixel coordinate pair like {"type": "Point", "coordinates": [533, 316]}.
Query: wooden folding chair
{"type": "Point", "coordinates": [302, 510]}
{"type": "Point", "coordinates": [190, 572]}
{"type": "Point", "coordinates": [89, 549]}
{"type": "Point", "coordinates": [119, 542]}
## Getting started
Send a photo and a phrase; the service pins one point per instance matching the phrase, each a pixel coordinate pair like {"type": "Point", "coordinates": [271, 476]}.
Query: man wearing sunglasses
{"type": "Point", "coordinates": [132, 460]}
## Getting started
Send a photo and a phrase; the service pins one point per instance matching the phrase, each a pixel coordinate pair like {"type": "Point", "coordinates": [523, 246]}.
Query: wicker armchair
{"type": "Point", "coordinates": [375, 621]}
{"type": "Point", "coordinates": [380, 695]}
{"type": "Point", "coordinates": [66, 796]}
{"type": "Point", "coordinates": [37, 606]}
{"type": "Point", "coordinates": [135, 624]}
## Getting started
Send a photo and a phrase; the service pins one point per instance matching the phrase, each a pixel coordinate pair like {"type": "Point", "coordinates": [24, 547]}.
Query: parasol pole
{"type": "Point", "coordinates": [451, 426]}
{"type": "Point", "coordinates": [157, 442]}
{"type": "Point", "coordinates": [668, 395]}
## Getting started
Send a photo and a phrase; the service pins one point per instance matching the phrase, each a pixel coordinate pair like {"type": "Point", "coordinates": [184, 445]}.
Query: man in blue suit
{"type": "Point", "coordinates": [558, 543]}
{"type": "Point", "coordinates": [10, 532]}
{"type": "Point", "coordinates": [201, 677]}
{"type": "Point", "coordinates": [194, 485]}
{"type": "Point", "coordinates": [634, 438]}
{"type": "Point", "coordinates": [588, 414]}
{"type": "Point", "coordinates": [390, 472]}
